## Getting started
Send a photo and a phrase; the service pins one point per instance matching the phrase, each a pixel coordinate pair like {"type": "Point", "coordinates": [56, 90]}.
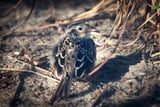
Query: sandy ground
{"type": "Point", "coordinates": [125, 80]}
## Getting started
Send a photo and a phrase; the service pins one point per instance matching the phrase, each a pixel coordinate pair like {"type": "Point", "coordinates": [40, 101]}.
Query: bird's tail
{"type": "Point", "coordinates": [63, 89]}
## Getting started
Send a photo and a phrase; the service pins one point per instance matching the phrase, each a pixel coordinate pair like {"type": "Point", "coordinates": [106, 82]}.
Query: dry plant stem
{"type": "Point", "coordinates": [149, 35]}
{"type": "Point", "coordinates": [156, 62]}
{"type": "Point", "coordinates": [100, 65]}
{"type": "Point", "coordinates": [121, 13]}
{"type": "Point", "coordinates": [138, 36]}
{"type": "Point", "coordinates": [14, 30]}
{"type": "Point", "coordinates": [18, 70]}
{"type": "Point", "coordinates": [120, 36]}
{"type": "Point", "coordinates": [98, 9]}
{"type": "Point", "coordinates": [155, 54]}
{"type": "Point", "coordinates": [92, 12]}
{"type": "Point", "coordinates": [86, 15]}
{"type": "Point", "coordinates": [116, 24]}
{"type": "Point", "coordinates": [134, 41]}
{"type": "Point", "coordinates": [38, 28]}
{"type": "Point", "coordinates": [12, 8]}
{"type": "Point", "coordinates": [146, 21]}
{"type": "Point", "coordinates": [40, 70]}
{"type": "Point", "coordinates": [12, 69]}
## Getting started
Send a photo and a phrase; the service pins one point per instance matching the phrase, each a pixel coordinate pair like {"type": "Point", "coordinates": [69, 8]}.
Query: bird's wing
{"type": "Point", "coordinates": [86, 56]}
{"type": "Point", "coordinates": [87, 48]}
{"type": "Point", "coordinates": [91, 50]}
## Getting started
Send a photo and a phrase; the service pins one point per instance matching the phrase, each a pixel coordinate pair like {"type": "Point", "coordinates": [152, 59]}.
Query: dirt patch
{"type": "Point", "coordinates": [125, 80]}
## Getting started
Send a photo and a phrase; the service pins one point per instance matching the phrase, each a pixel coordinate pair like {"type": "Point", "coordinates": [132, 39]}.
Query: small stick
{"type": "Point", "coordinates": [100, 65]}
{"type": "Point", "coordinates": [12, 8]}
{"type": "Point", "coordinates": [147, 21]}
{"type": "Point", "coordinates": [42, 71]}
{"type": "Point", "coordinates": [83, 16]}
{"type": "Point", "coordinates": [21, 70]}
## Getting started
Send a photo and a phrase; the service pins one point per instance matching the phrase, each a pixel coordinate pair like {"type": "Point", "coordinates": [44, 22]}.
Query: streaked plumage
{"type": "Point", "coordinates": [74, 56]}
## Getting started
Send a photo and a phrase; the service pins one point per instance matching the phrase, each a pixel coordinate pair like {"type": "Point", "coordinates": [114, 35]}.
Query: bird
{"type": "Point", "coordinates": [73, 57]}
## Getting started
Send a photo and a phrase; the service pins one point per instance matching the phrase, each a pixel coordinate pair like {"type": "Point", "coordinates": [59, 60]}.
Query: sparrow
{"type": "Point", "coordinates": [74, 56]}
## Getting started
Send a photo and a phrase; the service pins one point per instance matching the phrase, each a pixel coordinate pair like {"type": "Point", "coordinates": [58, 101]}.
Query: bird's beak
{"type": "Point", "coordinates": [93, 31]}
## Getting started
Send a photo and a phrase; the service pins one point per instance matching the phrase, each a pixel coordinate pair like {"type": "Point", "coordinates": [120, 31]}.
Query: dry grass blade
{"type": "Point", "coordinates": [147, 20]}
{"type": "Point", "coordinates": [123, 13]}
{"type": "Point", "coordinates": [127, 15]}
{"type": "Point", "coordinates": [100, 65]}
{"type": "Point", "coordinates": [89, 14]}
{"type": "Point", "coordinates": [94, 10]}
{"type": "Point", "coordinates": [117, 23]}
{"type": "Point", "coordinates": [11, 9]}
{"type": "Point", "coordinates": [21, 70]}
{"type": "Point", "coordinates": [12, 69]}
{"type": "Point", "coordinates": [13, 30]}
{"type": "Point", "coordinates": [153, 39]}
{"type": "Point", "coordinates": [98, 9]}
{"type": "Point", "coordinates": [155, 54]}
{"type": "Point", "coordinates": [41, 71]}
{"type": "Point", "coordinates": [134, 41]}
{"type": "Point", "coordinates": [38, 28]}
{"type": "Point", "coordinates": [156, 62]}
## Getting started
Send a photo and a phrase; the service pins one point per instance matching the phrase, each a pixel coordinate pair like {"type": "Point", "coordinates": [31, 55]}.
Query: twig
{"type": "Point", "coordinates": [100, 65]}
{"type": "Point", "coordinates": [85, 15]}
{"type": "Point", "coordinates": [118, 20]}
{"type": "Point", "coordinates": [146, 21]}
{"type": "Point", "coordinates": [139, 35]}
{"type": "Point", "coordinates": [39, 28]}
{"type": "Point", "coordinates": [155, 54]}
{"type": "Point", "coordinates": [41, 70]}
{"type": "Point", "coordinates": [14, 29]}
{"type": "Point", "coordinates": [12, 69]}
{"type": "Point", "coordinates": [116, 24]}
{"type": "Point", "coordinates": [156, 62]}
{"type": "Point", "coordinates": [12, 8]}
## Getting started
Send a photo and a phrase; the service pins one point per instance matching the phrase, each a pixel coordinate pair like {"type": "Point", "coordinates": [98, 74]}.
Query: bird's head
{"type": "Point", "coordinates": [80, 30]}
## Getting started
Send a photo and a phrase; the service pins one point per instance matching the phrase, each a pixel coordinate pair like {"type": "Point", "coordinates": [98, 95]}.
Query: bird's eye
{"type": "Point", "coordinates": [79, 28]}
